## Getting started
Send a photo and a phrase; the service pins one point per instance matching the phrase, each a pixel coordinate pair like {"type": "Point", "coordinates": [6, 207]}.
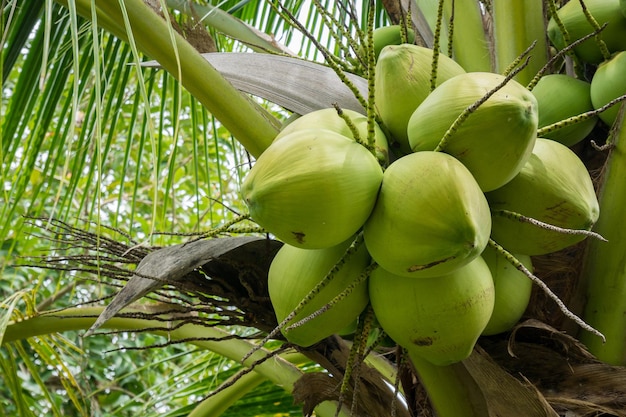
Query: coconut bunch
{"type": "Point", "coordinates": [472, 173]}
{"type": "Point", "coordinates": [314, 188]}
{"type": "Point", "coordinates": [437, 230]}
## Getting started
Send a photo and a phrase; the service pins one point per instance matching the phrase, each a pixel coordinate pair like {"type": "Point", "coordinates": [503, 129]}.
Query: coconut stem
{"type": "Point", "coordinates": [339, 297]}
{"type": "Point", "coordinates": [371, 74]}
{"type": "Point", "coordinates": [603, 278]}
{"type": "Point", "coordinates": [559, 55]}
{"type": "Point", "coordinates": [345, 383]}
{"type": "Point", "coordinates": [596, 27]}
{"type": "Point", "coordinates": [524, 219]}
{"type": "Point", "coordinates": [330, 58]}
{"type": "Point", "coordinates": [437, 38]}
{"type": "Point", "coordinates": [518, 24]}
{"type": "Point", "coordinates": [579, 118]}
{"type": "Point", "coordinates": [330, 23]}
{"type": "Point", "coordinates": [451, 31]}
{"type": "Point", "coordinates": [565, 33]}
{"type": "Point", "coordinates": [357, 353]}
{"type": "Point", "coordinates": [223, 228]}
{"type": "Point", "coordinates": [356, 244]}
{"type": "Point", "coordinates": [451, 389]}
{"type": "Point", "coordinates": [517, 264]}
{"type": "Point", "coordinates": [519, 59]}
{"type": "Point", "coordinates": [472, 108]}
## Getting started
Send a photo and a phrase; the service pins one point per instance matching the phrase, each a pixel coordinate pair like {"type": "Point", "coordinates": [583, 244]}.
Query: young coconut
{"type": "Point", "coordinates": [430, 217]}
{"type": "Point", "coordinates": [608, 83]}
{"type": "Point", "coordinates": [329, 119]}
{"type": "Point", "coordinates": [495, 140]}
{"type": "Point", "coordinates": [402, 82]}
{"type": "Point", "coordinates": [554, 187]}
{"type": "Point", "coordinates": [390, 35]}
{"type": "Point", "coordinates": [512, 290]}
{"type": "Point", "coordinates": [559, 97]}
{"type": "Point", "coordinates": [313, 188]}
{"type": "Point", "coordinates": [440, 318]}
{"type": "Point", "coordinates": [577, 26]}
{"type": "Point", "coordinates": [294, 272]}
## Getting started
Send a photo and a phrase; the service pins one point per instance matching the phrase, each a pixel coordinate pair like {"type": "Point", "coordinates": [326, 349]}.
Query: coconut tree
{"type": "Point", "coordinates": [133, 138]}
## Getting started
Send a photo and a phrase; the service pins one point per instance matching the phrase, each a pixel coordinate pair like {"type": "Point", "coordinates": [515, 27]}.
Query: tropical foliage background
{"type": "Point", "coordinates": [92, 139]}
{"type": "Point", "coordinates": [96, 145]}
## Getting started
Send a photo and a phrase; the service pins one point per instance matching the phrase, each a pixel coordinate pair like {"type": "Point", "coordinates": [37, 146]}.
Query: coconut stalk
{"type": "Point", "coordinates": [470, 44]}
{"type": "Point", "coordinates": [517, 24]}
{"type": "Point", "coordinates": [451, 389]}
{"type": "Point", "coordinates": [604, 271]}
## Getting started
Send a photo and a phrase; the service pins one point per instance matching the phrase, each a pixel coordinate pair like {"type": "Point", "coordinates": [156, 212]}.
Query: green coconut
{"type": "Point", "coordinates": [439, 318]}
{"type": "Point", "coordinates": [577, 26]}
{"type": "Point", "coordinates": [608, 83]}
{"type": "Point", "coordinates": [495, 141]}
{"type": "Point", "coordinates": [430, 217]}
{"type": "Point", "coordinates": [554, 187]}
{"type": "Point", "coordinates": [559, 97]}
{"type": "Point", "coordinates": [313, 188]}
{"type": "Point", "coordinates": [512, 290]}
{"type": "Point", "coordinates": [329, 119]}
{"type": "Point", "coordinates": [402, 82]}
{"type": "Point", "coordinates": [294, 272]}
{"type": "Point", "coordinates": [390, 35]}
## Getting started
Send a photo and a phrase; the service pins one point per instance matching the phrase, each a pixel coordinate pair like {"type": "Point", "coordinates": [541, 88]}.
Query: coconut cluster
{"type": "Point", "coordinates": [608, 81]}
{"type": "Point", "coordinates": [409, 216]}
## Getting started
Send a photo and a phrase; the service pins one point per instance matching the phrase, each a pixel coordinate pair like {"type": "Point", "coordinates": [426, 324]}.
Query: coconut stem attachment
{"type": "Point", "coordinates": [517, 264]}
{"type": "Point", "coordinates": [524, 219]}
{"type": "Point", "coordinates": [472, 107]}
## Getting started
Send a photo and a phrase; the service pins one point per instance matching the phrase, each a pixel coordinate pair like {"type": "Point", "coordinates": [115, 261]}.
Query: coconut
{"type": "Point", "coordinates": [313, 188]}
{"type": "Point", "coordinates": [294, 272]}
{"type": "Point", "coordinates": [512, 290]}
{"type": "Point", "coordinates": [430, 217]}
{"type": "Point", "coordinates": [559, 97]}
{"type": "Point", "coordinates": [577, 26]}
{"type": "Point", "coordinates": [402, 82]}
{"type": "Point", "coordinates": [390, 35]}
{"type": "Point", "coordinates": [495, 140]}
{"type": "Point", "coordinates": [608, 83]}
{"type": "Point", "coordinates": [437, 318]}
{"type": "Point", "coordinates": [554, 187]}
{"type": "Point", "coordinates": [329, 119]}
